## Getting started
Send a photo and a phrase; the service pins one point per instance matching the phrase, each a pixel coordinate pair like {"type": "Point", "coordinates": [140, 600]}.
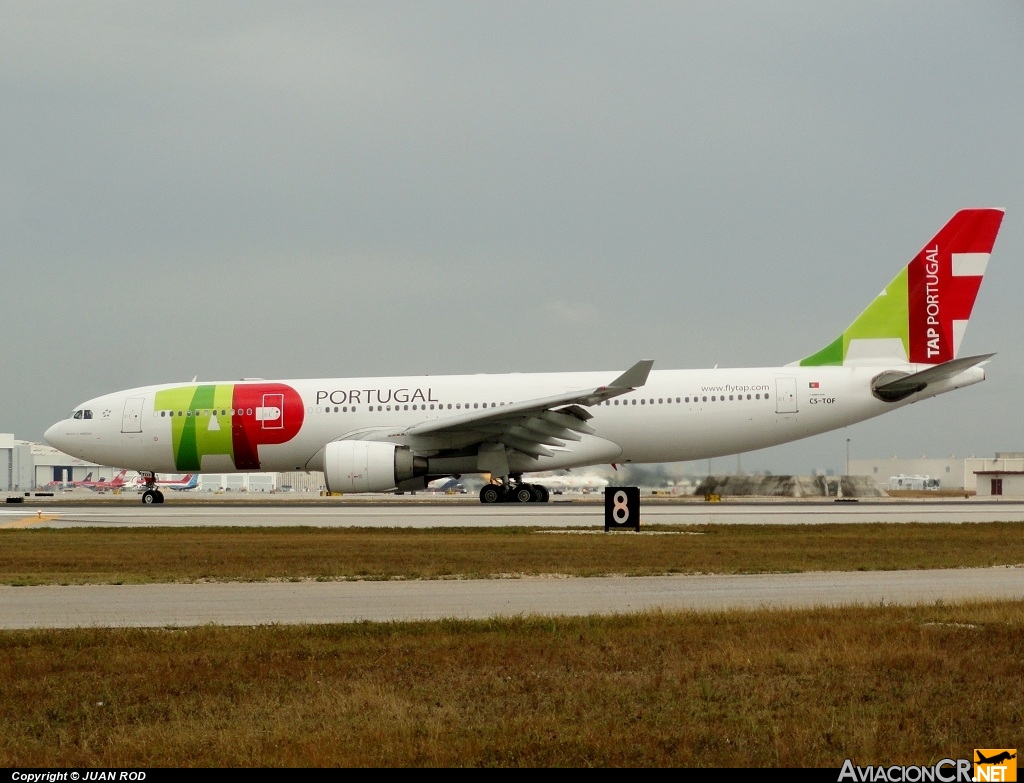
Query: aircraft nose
{"type": "Point", "coordinates": [53, 435]}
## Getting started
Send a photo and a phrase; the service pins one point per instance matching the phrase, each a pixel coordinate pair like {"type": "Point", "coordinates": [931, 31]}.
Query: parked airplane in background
{"type": "Point", "coordinates": [578, 482]}
{"type": "Point", "coordinates": [115, 483]}
{"type": "Point", "coordinates": [378, 434]}
{"type": "Point", "coordinates": [69, 484]}
{"type": "Point", "coordinates": [188, 481]}
{"type": "Point", "coordinates": [447, 484]}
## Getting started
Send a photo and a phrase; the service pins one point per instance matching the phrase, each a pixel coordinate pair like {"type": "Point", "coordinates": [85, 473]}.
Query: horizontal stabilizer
{"type": "Point", "coordinates": [902, 387]}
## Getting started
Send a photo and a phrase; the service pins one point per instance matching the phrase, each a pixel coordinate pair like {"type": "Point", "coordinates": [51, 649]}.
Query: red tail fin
{"type": "Point", "coordinates": [943, 282]}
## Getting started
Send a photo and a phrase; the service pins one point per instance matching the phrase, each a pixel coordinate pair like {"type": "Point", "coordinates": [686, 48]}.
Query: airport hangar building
{"type": "Point", "coordinates": [27, 466]}
{"type": "Point", "coordinates": [971, 474]}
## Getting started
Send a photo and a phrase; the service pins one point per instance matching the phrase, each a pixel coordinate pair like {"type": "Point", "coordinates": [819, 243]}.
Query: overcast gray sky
{"type": "Point", "coordinates": [337, 189]}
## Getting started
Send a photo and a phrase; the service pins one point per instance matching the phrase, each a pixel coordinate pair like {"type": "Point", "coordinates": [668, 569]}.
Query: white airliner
{"type": "Point", "coordinates": [378, 434]}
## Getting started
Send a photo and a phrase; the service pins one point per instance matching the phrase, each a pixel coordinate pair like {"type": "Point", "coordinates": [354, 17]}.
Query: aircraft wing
{"type": "Point", "coordinates": [531, 426]}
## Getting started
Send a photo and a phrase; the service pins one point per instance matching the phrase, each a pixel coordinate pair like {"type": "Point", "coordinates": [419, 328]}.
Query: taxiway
{"type": "Point", "coordinates": [259, 603]}
{"type": "Point", "coordinates": [472, 514]}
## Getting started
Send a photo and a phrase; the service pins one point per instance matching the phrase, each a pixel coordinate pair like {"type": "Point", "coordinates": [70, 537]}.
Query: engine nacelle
{"type": "Point", "coordinates": [369, 466]}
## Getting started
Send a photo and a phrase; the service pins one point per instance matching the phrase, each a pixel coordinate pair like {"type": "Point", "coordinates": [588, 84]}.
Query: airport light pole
{"type": "Point", "coordinates": [847, 456]}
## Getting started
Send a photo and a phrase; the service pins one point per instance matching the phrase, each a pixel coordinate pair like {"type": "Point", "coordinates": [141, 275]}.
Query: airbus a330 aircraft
{"type": "Point", "coordinates": [378, 434]}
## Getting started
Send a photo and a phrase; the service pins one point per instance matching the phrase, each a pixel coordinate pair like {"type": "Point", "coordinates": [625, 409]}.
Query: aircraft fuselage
{"type": "Point", "coordinates": [284, 425]}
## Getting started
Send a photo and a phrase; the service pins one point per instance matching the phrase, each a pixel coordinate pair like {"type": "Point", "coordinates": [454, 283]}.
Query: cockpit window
{"type": "Point", "coordinates": [86, 414]}
{"type": "Point", "coordinates": [78, 414]}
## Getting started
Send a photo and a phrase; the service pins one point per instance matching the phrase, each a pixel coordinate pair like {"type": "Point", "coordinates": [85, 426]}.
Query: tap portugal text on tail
{"type": "Point", "coordinates": [379, 434]}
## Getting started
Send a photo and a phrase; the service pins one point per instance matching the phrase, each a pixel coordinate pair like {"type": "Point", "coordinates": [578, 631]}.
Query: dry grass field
{"type": "Point", "coordinates": [878, 685]}
{"type": "Point", "coordinates": [782, 688]}
{"type": "Point", "coordinates": [133, 555]}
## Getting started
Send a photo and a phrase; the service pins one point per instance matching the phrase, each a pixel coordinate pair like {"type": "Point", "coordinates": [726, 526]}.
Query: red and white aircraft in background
{"type": "Point", "coordinates": [188, 481]}
{"type": "Point", "coordinates": [117, 482]}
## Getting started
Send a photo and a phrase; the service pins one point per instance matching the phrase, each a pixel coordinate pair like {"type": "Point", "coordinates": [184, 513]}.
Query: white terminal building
{"type": "Point", "coordinates": [971, 474]}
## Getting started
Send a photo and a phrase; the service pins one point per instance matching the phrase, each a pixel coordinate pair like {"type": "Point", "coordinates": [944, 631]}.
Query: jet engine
{"type": "Point", "coordinates": [369, 466]}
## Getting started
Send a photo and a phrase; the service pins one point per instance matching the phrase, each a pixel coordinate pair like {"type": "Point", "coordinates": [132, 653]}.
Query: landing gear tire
{"type": "Point", "coordinates": [540, 493]}
{"type": "Point", "coordinates": [152, 496]}
{"type": "Point", "coordinates": [490, 494]}
{"type": "Point", "coordinates": [523, 494]}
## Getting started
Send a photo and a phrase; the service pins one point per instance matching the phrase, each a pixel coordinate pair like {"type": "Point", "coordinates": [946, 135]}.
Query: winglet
{"type": "Point", "coordinates": [634, 377]}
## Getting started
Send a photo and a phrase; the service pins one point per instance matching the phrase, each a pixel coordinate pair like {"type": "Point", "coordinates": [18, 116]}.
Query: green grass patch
{"type": "Point", "coordinates": [138, 555]}
{"type": "Point", "coordinates": [889, 685]}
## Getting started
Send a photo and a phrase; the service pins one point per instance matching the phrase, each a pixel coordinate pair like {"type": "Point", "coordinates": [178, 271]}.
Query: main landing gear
{"type": "Point", "coordinates": [152, 495]}
{"type": "Point", "coordinates": [517, 492]}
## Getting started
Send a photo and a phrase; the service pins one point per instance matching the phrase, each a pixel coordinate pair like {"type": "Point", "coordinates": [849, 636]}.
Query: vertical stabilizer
{"type": "Point", "coordinates": [921, 316]}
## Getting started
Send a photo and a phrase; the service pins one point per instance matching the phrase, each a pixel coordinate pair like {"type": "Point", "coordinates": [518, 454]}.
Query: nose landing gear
{"type": "Point", "coordinates": [152, 495]}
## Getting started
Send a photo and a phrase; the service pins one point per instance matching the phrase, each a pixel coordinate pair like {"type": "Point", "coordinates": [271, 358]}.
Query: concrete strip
{"type": "Point", "coordinates": [460, 514]}
{"type": "Point", "coordinates": [249, 603]}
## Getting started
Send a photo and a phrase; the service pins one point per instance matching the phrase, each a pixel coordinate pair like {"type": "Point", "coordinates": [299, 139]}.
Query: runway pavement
{"type": "Point", "coordinates": [460, 513]}
{"type": "Point", "coordinates": [248, 603]}
{"type": "Point", "coordinates": [325, 602]}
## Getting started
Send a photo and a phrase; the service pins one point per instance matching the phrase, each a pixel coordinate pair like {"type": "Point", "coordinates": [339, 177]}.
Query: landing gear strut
{"type": "Point", "coordinates": [152, 494]}
{"type": "Point", "coordinates": [517, 492]}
